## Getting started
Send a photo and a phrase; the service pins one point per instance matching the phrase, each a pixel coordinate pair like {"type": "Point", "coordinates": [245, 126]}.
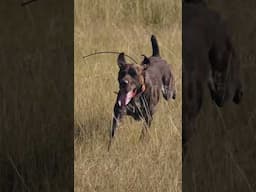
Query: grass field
{"type": "Point", "coordinates": [131, 165]}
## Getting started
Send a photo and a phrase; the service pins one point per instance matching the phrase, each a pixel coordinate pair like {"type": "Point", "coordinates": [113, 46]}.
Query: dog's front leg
{"type": "Point", "coordinates": [118, 114]}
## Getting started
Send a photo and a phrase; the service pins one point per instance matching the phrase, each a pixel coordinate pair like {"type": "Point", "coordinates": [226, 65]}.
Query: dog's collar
{"type": "Point", "coordinates": [141, 90]}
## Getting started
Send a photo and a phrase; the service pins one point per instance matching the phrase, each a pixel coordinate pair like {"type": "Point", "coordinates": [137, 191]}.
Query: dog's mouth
{"type": "Point", "coordinates": [124, 97]}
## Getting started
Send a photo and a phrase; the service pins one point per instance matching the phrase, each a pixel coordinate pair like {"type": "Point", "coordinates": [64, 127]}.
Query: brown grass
{"type": "Point", "coordinates": [131, 165]}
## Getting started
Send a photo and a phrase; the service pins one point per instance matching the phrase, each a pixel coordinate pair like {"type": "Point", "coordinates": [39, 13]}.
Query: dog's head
{"type": "Point", "coordinates": [225, 81]}
{"type": "Point", "coordinates": [130, 79]}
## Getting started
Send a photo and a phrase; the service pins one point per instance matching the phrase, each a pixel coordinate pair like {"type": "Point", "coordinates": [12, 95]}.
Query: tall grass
{"type": "Point", "coordinates": [131, 165]}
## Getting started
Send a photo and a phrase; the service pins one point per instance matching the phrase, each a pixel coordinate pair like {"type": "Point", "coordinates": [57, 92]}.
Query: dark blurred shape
{"type": "Point", "coordinates": [36, 91]}
{"type": "Point", "coordinates": [218, 112]}
{"type": "Point", "coordinates": [27, 2]}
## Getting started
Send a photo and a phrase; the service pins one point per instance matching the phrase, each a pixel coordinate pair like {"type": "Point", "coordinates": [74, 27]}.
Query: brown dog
{"type": "Point", "coordinates": [140, 87]}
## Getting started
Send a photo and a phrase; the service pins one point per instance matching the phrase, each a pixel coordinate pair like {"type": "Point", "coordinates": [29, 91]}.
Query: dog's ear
{"type": "Point", "coordinates": [145, 62]}
{"type": "Point", "coordinates": [121, 60]}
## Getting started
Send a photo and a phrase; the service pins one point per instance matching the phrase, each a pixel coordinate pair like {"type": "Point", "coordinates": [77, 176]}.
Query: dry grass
{"type": "Point", "coordinates": [153, 165]}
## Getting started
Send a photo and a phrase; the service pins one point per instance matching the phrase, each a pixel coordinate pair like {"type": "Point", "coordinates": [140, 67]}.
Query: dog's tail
{"type": "Point", "coordinates": [155, 47]}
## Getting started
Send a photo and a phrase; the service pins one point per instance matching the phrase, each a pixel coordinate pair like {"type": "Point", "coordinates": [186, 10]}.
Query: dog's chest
{"type": "Point", "coordinates": [138, 107]}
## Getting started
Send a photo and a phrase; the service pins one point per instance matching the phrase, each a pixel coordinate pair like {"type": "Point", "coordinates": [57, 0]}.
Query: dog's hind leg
{"type": "Point", "coordinates": [145, 116]}
{"type": "Point", "coordinates": [147, 123]}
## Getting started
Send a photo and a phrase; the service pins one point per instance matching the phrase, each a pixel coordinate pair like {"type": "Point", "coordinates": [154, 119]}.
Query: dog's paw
{"type": "Point", "coordinates": [174, 95]}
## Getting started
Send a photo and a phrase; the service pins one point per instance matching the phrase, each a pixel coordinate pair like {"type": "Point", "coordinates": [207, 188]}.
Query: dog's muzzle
{"type": "Point", "coordinates": [124, 96]}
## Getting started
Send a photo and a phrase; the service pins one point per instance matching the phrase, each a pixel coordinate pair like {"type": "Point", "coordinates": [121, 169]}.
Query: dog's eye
{"type": "Point", "coordinates": [132, 72]}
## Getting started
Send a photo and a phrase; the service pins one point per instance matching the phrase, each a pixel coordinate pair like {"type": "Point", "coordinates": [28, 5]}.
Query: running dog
{"type": "Point", "coordinates": [140, 87]}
